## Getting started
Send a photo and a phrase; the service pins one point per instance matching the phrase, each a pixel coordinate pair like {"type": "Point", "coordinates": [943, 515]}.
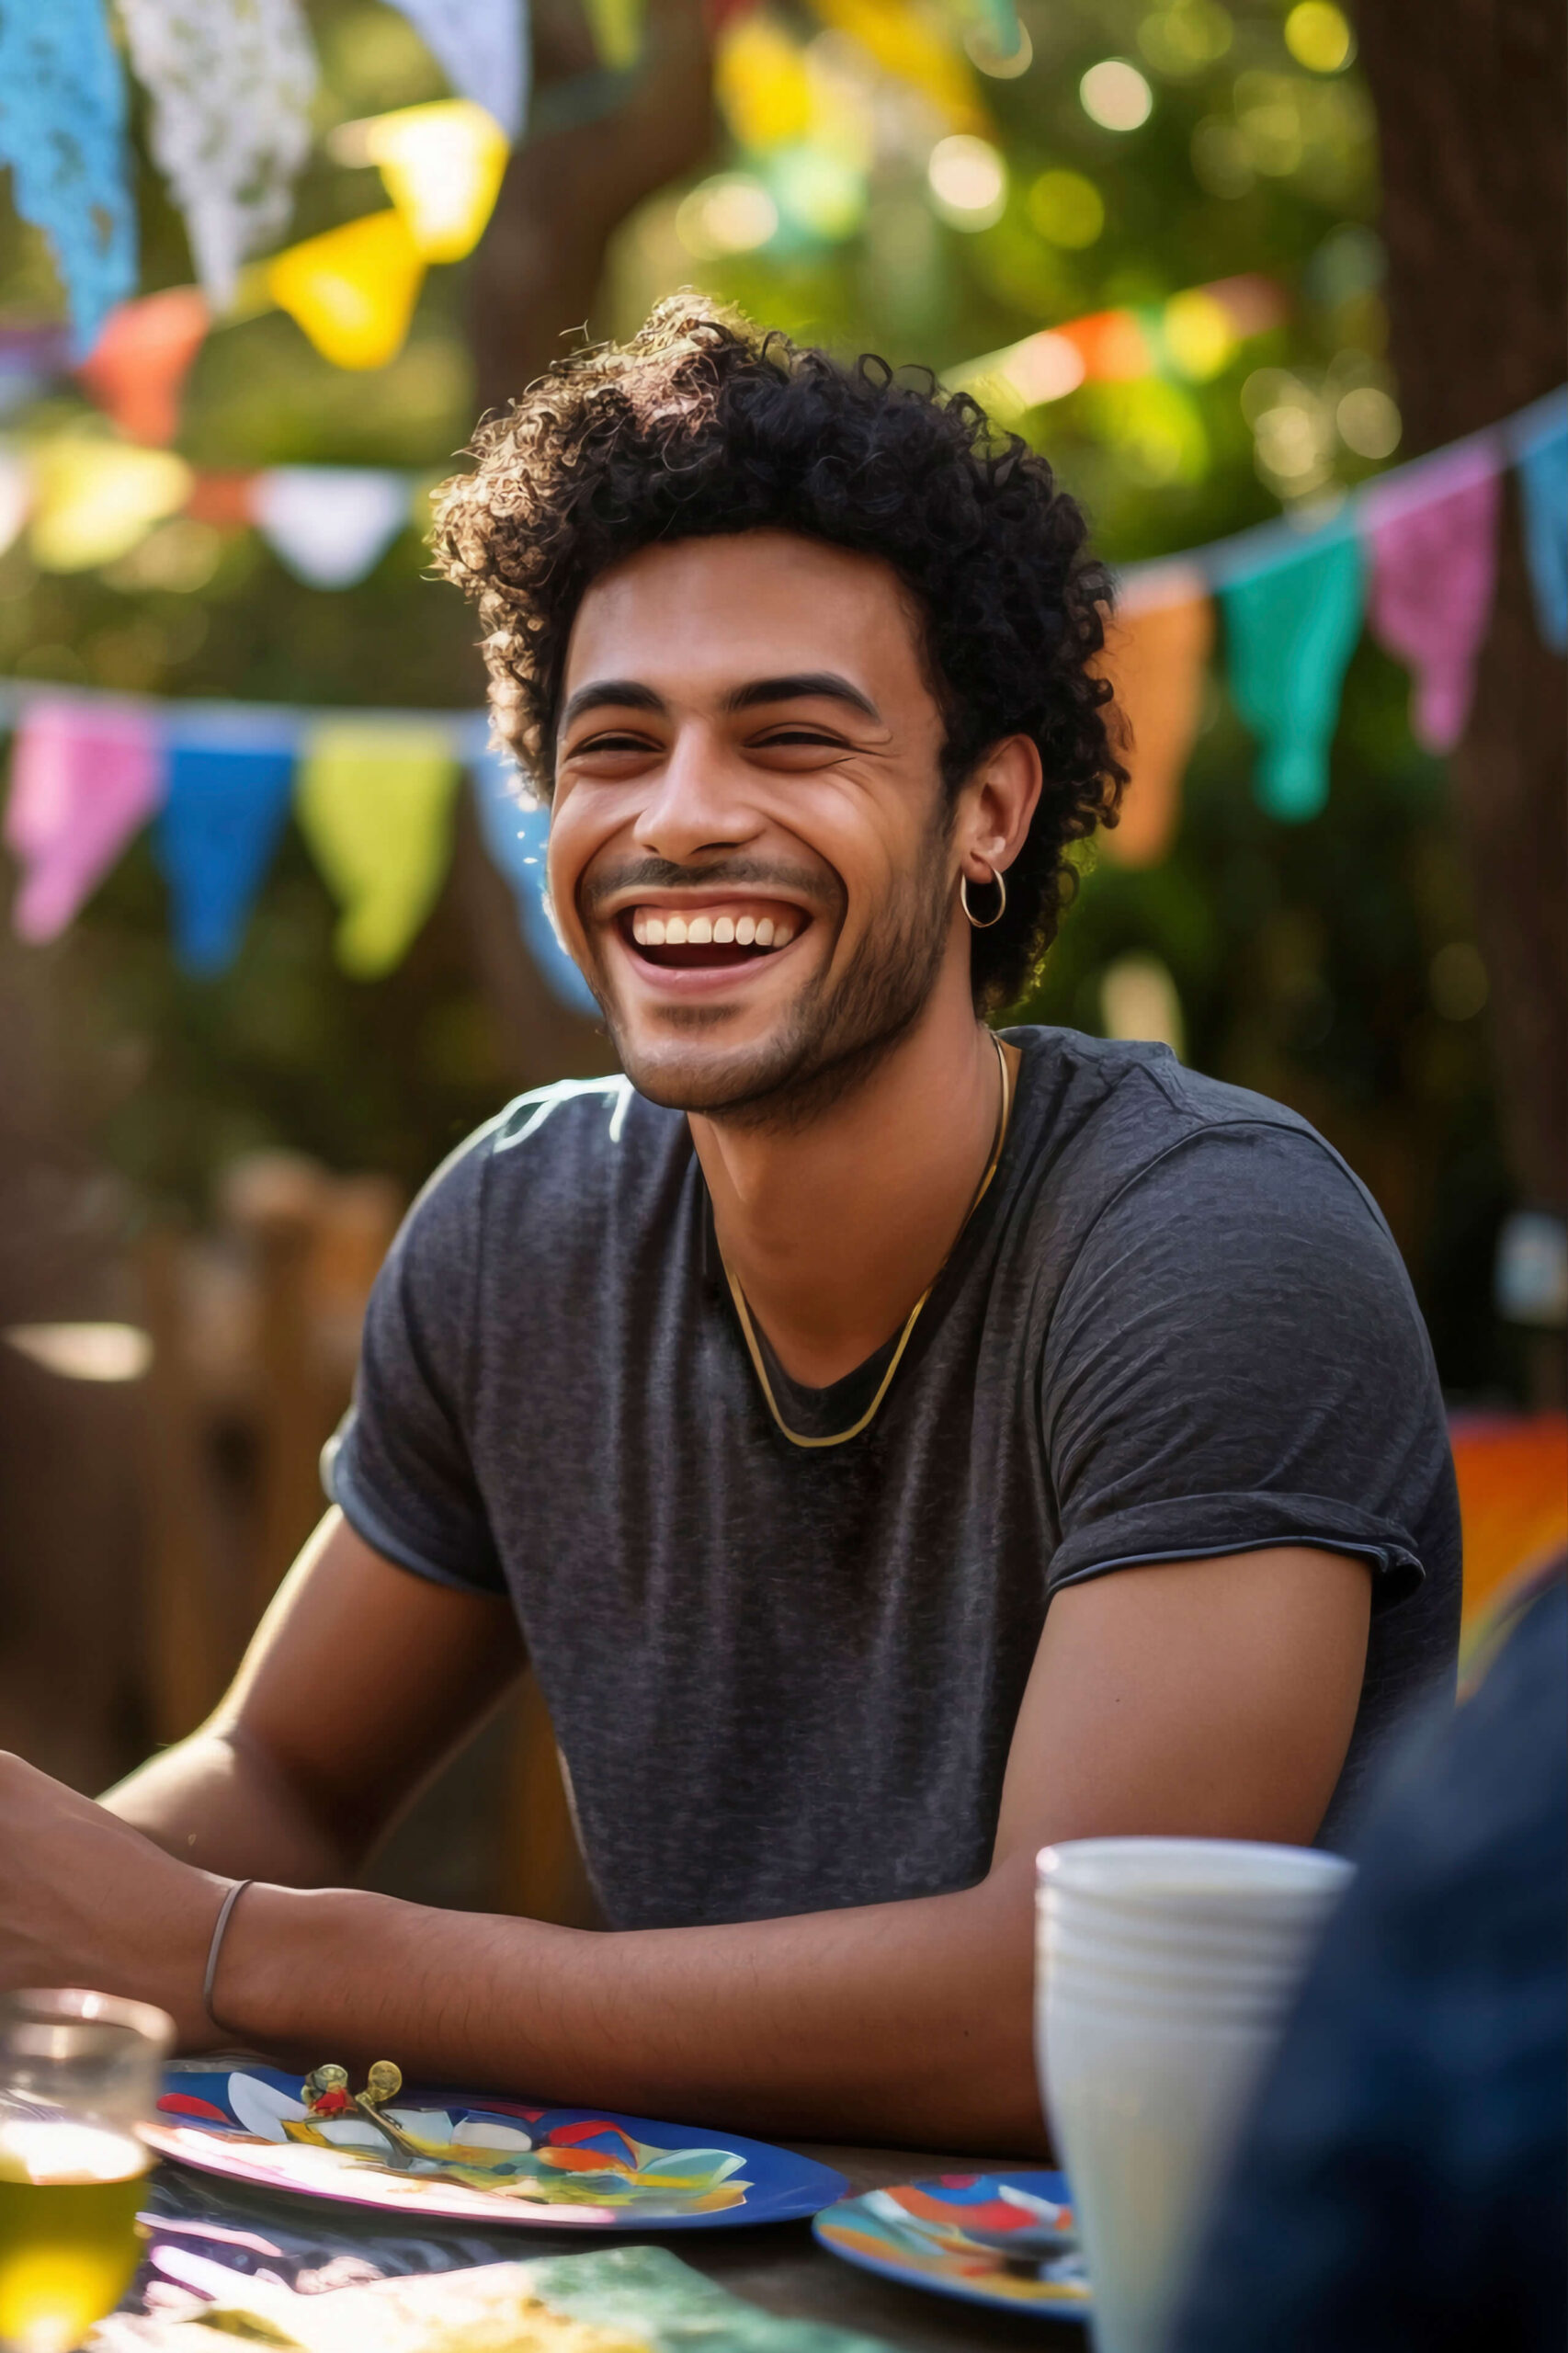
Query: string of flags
{"type": "Point", "coordinates": [1412, 555]}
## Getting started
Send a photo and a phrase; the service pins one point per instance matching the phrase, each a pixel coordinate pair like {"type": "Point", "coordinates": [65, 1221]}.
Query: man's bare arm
{"type": "Point", "coordinates": [359, 1681]}
{"type": "Point", "coordinates": [1208, 1697]}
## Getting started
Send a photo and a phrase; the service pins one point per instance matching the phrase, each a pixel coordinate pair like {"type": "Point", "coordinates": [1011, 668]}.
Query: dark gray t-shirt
{"type": "Point", "coordinates": [787, 1680]}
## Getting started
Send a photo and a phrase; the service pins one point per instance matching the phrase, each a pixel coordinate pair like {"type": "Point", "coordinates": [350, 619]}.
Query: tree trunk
{"type": "Point", "coordinates": [1472, 113]}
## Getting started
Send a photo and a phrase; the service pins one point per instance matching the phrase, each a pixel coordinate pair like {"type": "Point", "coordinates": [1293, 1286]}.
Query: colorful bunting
{"type": "Point", "coordinates": [1157, 658]}
{"type": "Point", "coordinates": [230, 83]}
{"type": "Point", "coordinates": [137, 369]}
{"type": "Point", "coordinates": [94, 500]}
{"type": "Point", "coordinates": [1290, 633]}
{"type": "Point", "coordinates": [1543, 482]}
{"type": "Point", "coordinates": [1433, 544]}
{"type": "Point", "coordinates": [442, 165]}
{"type": "Point", "coordinates": [63, 132]}
{"type": "Point", "coordinates": [517, 832]}
{"type": "Point", "coordinates": [219, 828]}
{"type": "Point", "coordinates": [482, 46]}
{"type": "Point", "coordinates": [352, 291]}
{"type": "Point", "coordinates": [374, 800]}
{"type": "Point", "coordinates": [329, 524]}
{"type": "Point", "coordinates": [84, 777]}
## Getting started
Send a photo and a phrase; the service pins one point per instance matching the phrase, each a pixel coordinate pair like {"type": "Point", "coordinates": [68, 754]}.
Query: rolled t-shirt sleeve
{"type": "Point", "coordinates": [1237, 1360]}
{"type": "Point", "coordinates": [398, 1467]}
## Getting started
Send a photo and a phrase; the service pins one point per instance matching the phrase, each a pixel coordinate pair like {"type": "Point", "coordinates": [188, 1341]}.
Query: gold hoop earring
{"type": "Point", "coordinates": [973, 920]}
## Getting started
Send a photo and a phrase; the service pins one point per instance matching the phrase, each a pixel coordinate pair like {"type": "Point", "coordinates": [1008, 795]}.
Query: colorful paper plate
{"type": "Point", "coordinates": [1004, 2239]}
{"type": "Point", "coordinates": [469, 2158]}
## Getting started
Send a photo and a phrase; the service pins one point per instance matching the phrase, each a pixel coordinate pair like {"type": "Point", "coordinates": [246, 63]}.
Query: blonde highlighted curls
{"type": "Point", "coordinates": [702, 424]}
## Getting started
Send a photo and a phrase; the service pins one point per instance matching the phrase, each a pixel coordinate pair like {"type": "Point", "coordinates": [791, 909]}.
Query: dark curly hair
{"type": "Point", "coordinates": [701, 425]}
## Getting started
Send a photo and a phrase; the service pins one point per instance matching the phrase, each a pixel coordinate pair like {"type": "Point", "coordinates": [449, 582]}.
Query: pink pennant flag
{"type": "Point", "coordinates": [85, 776]}
{"type": "Point", "coordinates": [1433, 541]}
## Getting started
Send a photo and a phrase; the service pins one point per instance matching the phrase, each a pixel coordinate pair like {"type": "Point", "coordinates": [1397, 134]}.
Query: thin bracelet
{"type": "Point", "coordinates": [215, 1950]}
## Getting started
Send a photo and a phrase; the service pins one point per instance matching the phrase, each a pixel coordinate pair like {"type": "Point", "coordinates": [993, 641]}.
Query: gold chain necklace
{"type": "Point", "coordinates": [842, 1437]}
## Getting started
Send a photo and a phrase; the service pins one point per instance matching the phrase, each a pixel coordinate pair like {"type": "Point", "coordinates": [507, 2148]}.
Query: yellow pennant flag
{"type": "Point", "coordinates": [906, 44]}
{"type": "Point", "coordinates": [1156, 655]}
{"type": "Point", "coordinates": [352, 291]}
{"type": "Point", "coordinates": [617, 28]}
{"type": "Point", "coordinates": [94, 500]}
{"type": "Point", "coordinates": [442, 165]}
{"type": "Point", "coordinates": [374, 802]}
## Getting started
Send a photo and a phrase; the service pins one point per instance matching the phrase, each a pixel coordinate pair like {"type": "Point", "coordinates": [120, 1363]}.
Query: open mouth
{"type": "Point", "coordinates": [716, 938]}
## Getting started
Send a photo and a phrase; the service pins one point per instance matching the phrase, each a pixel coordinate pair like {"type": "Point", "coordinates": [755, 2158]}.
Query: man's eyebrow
{"type": "Point", "coordinates": [621, 694]}
{"type": "Point", "coordinates": [799, 687]}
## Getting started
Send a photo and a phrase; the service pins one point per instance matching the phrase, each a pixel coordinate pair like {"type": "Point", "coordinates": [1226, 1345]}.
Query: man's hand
{"type": "Point", "coordinates": [86, 1901]}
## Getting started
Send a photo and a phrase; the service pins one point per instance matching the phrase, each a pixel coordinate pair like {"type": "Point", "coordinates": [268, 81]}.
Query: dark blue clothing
{"type": "Point", "coordinates": [1403, 2185]}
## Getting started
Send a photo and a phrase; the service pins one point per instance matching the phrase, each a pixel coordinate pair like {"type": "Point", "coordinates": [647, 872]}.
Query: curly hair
{"type": "Point", "coordinates": [703, 424]}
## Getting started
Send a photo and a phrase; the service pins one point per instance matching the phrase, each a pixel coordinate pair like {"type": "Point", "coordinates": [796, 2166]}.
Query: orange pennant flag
{"type": "Point", "coordinates": [137, 369]}
{"type": "Point", "coordinates": [1157, 649]}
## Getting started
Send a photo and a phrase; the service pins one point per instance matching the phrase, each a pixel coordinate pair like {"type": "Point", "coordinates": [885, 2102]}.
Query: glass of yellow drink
{"type": "Point", "coordinates": [79, 2072]}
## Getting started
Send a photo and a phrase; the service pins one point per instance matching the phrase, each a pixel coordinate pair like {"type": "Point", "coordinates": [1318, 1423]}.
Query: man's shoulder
{"type": "Point", "coordinates": [1118, 1109]}
{"type": "Point", "coordinates": [566, 1148]}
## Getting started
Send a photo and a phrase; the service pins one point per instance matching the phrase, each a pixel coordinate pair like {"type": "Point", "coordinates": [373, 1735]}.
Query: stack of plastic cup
{"type": "Point", "coordinates": [1166, 1967]}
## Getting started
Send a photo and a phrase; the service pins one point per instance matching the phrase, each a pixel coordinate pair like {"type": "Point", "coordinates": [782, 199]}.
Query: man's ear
{"type": "Point", "coordinates": [997, 807]}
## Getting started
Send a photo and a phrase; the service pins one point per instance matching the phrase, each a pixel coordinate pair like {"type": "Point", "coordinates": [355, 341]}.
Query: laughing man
{"type": "Point", "coordinates": [895, 1443]}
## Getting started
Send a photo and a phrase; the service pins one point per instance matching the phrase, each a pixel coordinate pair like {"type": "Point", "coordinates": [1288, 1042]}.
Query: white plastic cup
{"type": "Point", "coordinates": [1166, 1970]}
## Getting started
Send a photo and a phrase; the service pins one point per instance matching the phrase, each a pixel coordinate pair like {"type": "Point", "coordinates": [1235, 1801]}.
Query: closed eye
{"type": "Point", "coordinates": [612, 742]}
{"type": "Point", "coordinates": [798, 735]}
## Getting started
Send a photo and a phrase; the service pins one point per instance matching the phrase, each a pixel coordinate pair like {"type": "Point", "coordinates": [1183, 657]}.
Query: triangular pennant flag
{"type": "Point", "coordinates": [230, 83]}
{"type": "Point", "coordinates": [94, 500]}
{"type": "Point", "coordinates": [63, 132]}
{"type": "Point", "coordinates": [442, 165]}
{"type": "Point", "coordinates": [84, 777]}
{"type": "Point", "coordinates": [517, 832]}
{"type": "Point", "coordinates": [1543, 480]}
{"type": "Point", "coordinates": [1289, 631]}
{"type": "Point", "coordinates": [329, 524]}
{"type": "Point", "coordinates": [481, 47]}
{"type": "Point", "coordinates": [137, 369]}
{"type": "Point", "coordinates": [352, 291]}
{"type": "Point", "coordinates": [374, 802]}
{"type": "Point", "coordinates": [1156, 655]}
{"type": "Point", "coordinates": [1433, 544]}
{"type": "Point", "coordinates": [15, 497]}
{"type": "Point", "coordinates": [227, 804]}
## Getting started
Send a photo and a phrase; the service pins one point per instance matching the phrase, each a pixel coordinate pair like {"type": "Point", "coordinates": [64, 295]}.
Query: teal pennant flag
{"type": "Point", "coordinates": [1290, 630]}
{"type": "Point", "coordinates": [63, 132]}
{"type": "Point", "coordinates": [215, 840]}
{"type": "Point", "coordinates": [1543, 480]}
{"type": "Point", "coordinates": [515, 833]}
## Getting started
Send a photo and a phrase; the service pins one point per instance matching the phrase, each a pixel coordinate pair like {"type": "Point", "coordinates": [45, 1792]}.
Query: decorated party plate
{"type": "Point", "coordinates": [470, 2157]}
{"type": "Point", "coordinates": [1001, 2239]}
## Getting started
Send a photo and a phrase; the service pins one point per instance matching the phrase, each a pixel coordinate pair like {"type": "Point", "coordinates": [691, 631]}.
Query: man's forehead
{"type": "Point", "coordinates": [705, 615]}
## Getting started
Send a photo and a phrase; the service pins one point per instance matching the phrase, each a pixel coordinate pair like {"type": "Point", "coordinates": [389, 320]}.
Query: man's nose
{"type": "Point", "coordinates": [697, 801]}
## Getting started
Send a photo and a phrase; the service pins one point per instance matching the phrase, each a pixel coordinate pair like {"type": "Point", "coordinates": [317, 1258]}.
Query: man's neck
{"type": "Point", "coordinates": [835, 1231]}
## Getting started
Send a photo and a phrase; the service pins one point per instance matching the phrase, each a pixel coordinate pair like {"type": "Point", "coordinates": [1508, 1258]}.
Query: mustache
{"type": "Point", "coordinates": [758, 873]}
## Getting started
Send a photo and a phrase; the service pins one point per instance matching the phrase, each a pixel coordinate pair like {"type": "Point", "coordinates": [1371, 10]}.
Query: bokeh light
{"type": "Point", "coordinates": [1116, 96]}
{"type": "Point", "coordinates": [1003, 66]}
{"type": "Point", "coordinates": [968, 181]}
{"type": "Point", "coordinates": [1067, 210]}
{"type": "Point", "coordinates": [1199, 336]}
{"type": "Point", "coordinates": [731, 213]}
{"type": "Point", "coordinates": [1318, 35]}
{"type": "Point", "coordinates": [1368, 422]}
{"type": "Point", "coordinates": [1184, 37]}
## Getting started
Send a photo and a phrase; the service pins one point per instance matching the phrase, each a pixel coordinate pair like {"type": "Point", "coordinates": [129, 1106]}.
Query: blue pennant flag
{"type": "Point", "coordinates": [63, 132]}
{"type": "Point", "coordinates": [515, 833]}
{"type": "Point", "coordinates": [1290, 629]}
{"type": "Point", "coordinates": [1543, 478]}
{"type": "Point", "coordinates": [226, 807]}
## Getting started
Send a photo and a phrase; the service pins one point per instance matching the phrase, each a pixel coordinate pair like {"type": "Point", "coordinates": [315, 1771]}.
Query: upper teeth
{"type": "Point", "coordinates": [697, 931]}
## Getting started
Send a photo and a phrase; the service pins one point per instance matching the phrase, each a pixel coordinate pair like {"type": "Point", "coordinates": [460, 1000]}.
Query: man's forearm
{"type": "Point", "coordinates": [904, 2022]}
{"type": "Point", "coordinates": [218, 1800]}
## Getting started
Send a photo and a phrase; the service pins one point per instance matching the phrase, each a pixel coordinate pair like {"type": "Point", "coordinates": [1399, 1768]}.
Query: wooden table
{"type": "Point", "coordinates": [777, 2265]}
